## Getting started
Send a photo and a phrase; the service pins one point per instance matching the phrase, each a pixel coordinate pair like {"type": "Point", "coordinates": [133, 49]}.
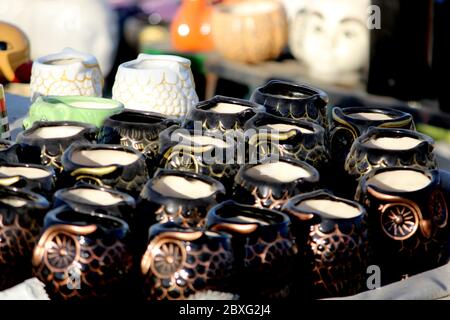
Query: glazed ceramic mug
{"type": "Point", "coordinates": [105, 165]}
{"type": "Point", "coordinates": [156, 83]}
{"type": "Point", "coordinates": [331, 235]}
{"type": "Point", "coordinates": [82, 256]}
{"type": "Point", "coordinates": [263, 246]}
{"type": "Point", "coordinates": [91, 110]}
{"type": "Point", "coordinates": [272, 182]}
{"type": "Point", "coordinates": [36, 178]}
{"type": "Point", "coordinates": [67, 73]}
{"type": "Point", "coordinates": [294, 101]}
{"type": "Point", "coordinates": [138, 130]}
{"type": "Point", "coordinates": [53, 138]}
{"type": "Point", "coordinates": [21, 217]}
{"type": "Point", "coordinates": [299, 139]}
{"type": "Point", "coordinates": [408, 219]}
{"type": "Point", "coordinates": [180, 262]}
{"type": "Point", "coordinates": [221, 114]}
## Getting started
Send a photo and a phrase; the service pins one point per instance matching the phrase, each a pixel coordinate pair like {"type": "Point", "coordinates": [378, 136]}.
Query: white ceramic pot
{"type": "Point", "coordinates": [51, 25]}
{"type": "Point", "coordinates": [292, 7]}
{"type": "Point", "coordinates": [331, 38]}
{"type": "Point", "coordinates": [157, 83]}
{"type": "Point", "coordinates": [67, 73]}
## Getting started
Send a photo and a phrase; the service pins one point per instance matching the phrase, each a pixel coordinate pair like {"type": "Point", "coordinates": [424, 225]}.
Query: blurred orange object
{"type": "Point", "coordinates": [191, 27]}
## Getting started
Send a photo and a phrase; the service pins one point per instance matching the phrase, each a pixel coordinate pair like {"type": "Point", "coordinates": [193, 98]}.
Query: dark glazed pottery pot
{"type": "Point", "coordinates": [184, 197]}
{"type": "Point", "coordinates": [294, 101]}
{"type": "Point", "coordinates": [380, 147]}
{"type": "Point", "coordinates": [87, 198]}
{"type": "Point", "coordinates": [331, 235]}
{"type": "Point", "coordinates": [408, 219]}
{"type": "Point", "coordinates": [36, 178]}
{"type": "Point", "coordinates": [271, 184]}
{"type": "Point", "coordinates": [179, 262]}
{"type": "Point", "coordinates": [105, 165]}
{"type": "Point", "coordinates": [299, 139]}
{"type": "Point", "coordinates": [82, 256]}
{"type": "Point", "coordinates": [348, 124]}
{"type": "Point", "coordinates": [208, 154]}
{"type": "Point", "coordinates": [21, 217]}
{"type": "Point", "coordinates": [263, 246]}
{"type": "Point", "coordinates": [138, 130]}
{"type": "Point", "coordinates": [221, 114]}
{"type": "Point", "coordinates": [19, 153]}
{"type": "Point", "coordinates": [53, 138]}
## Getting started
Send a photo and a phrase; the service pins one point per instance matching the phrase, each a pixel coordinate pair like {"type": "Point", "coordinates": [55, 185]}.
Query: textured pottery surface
{"type": "Point", "coordinates": [408, 228]}
{"type": "Point", "coordinates": [14, 53]}
{"type": "Point", "coordinates": [80, 256]}
{"type": "Point", "coordinates": [72, 108]}
{"type": "Point", "coordinates": [331, 37]}
{"type": "Point", "coordinates": [87, 198]}
{"type": "Point", "coordinates": [363, 157]}
{"type": "Point", "coordinates": [156, 83]}
{"type": "Point", "coordinates": [298, 139]}
{"type": "Point", "coordinates": [189, 260]}
{"type": "Point", "coordinates": [345, 126]}
{"type": "Point", "coordinates": [108, 172]}
{"type": "Point", "coordinates": [333, 251]}
{"type": "Point", "coordinates": [224, 120]}
{"type": "Point", "coordinates": [265, 191]}
{"type": "Point", "coordinates": [294, 101]}
{"type": "Point", "coordinates": [250, 32]}
{"type": "Point", "coordinates": [191, 26]}
{"type": "Point", "coordinates": [21, 217]}
{"type": "Point", "coordinates": [263, 246]}
{"type": "Point", "coordinates": [137, 130]}
{"type": "Point", "coordinates": [67, 73]}
{"type": "Point", "coordinates": [52, 147]}
{"type": "Point", "coordinates": [66, 23]}
{"type": "Point", "coordinates": [36, 178]}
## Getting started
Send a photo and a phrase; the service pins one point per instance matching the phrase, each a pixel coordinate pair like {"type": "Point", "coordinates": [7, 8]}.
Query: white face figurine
{"type": "Point", "coordinates": [332, 38]}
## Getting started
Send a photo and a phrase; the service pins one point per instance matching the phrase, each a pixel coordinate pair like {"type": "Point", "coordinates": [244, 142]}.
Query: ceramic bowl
{"type": "Point", "coordinates": [105, 165]}
{"type": "Point", "coordinates": [250, 32]}
{"type": "Point", "coordinates": [21, 217]}
{"type": "Point", "coordinates": [66, 73]}
{"type": "Point", "coordinates": [90, 110]}
{"type": "Point", "coordinates": [156, 83]}
{"type": "Point", "coordinates": [82, 256]}
{"type": "Point", "coordinates": [11, 152]}
{"type": "Point", "coordinates": [189, 260]}
{"type": "Point", "coordinates": [331, 235]}
{"type": "Point", "coordinates": [53, 138]}
{"type": "Point", "coordinates": [294, 101]}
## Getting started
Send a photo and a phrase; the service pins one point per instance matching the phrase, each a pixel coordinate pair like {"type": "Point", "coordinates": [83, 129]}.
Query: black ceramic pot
{"type": "Point", "coordinates": [347, 124]}
{"type": "Point", "coordinates": [208, 154]}
{"type": "Point", "coordinates": [299, 139]}
{"type": "Point", "coordinates": [54, 137]}
{"type": "Point", "coordinates": [184, 197]}
{"type": "Point", "coordinates": [293, 101]}
{"type": "Point", "coordinates": [82, 256]}
{"type": "Point", "coordinates": [19, 153]}
{"type": "Point", "coordinates": [270, 184]}
{"type": "Point", "coordinates": [408, 219]}
{"type": "Point", "coordinates": [21, 217]}
{"type": "Point", "coordinates": [221, 114]}
{"type": "Point", "coordinates": [109, 166]}
{"type": "Point", "coordinates": [179, 262]}
{"type": "Point", "coordinates": [380, 147]}
{"type": "Point", "coordinates": [263, 246]}
{"type": "Point", "coordinates": [138, 130]}
{"type": "Point", "coordinates": [331, 235]}
{"type": "Point", "coordinates": [36, 178]}
{"type": "Point", "coordinates": [87, 198]}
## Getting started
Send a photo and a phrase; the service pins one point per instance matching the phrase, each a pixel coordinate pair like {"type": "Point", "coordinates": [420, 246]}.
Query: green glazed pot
{"type": "Point", "coordinates": [90, 110]}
